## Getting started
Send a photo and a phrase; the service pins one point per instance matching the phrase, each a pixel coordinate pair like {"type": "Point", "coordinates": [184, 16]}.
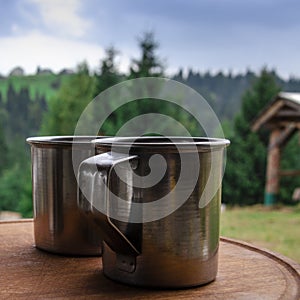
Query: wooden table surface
{"type": "Point", "coordinates": [245, 272]}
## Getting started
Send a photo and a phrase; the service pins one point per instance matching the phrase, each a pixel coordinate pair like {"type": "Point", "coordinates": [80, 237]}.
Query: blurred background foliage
{"type": "Point", "coordinates": [50, 104]}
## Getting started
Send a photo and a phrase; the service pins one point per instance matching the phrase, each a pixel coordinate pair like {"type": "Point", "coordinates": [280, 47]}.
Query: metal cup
{"type": "Point", "coordinates": [160, 230]}
{"type": "Point", "coordinates": [58, 224]}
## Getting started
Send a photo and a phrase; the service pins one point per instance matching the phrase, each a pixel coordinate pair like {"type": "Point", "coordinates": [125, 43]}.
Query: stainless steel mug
{"type": "Point", "coordinates": [58, 224]}
{"type": "Point", "coordinates": [157, 201]}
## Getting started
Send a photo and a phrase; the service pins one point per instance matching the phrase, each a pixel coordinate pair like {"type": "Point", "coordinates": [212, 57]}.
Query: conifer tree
{"type": "Point", "coordinates": [108, 74]}
{"type": "Point", "coordinates": [68, 104]}
{"type": "Point", "coordinates": [244, 179]}
{"type": "Point", "coordinates": [149, 63]}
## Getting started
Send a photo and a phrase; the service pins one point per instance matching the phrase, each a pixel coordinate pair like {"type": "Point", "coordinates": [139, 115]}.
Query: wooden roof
{"type": "Point", "coordinates": [283, 111]}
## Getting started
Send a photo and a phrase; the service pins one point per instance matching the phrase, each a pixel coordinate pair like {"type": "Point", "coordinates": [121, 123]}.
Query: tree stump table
{"type": "Point", "coordinates": [245, 272]}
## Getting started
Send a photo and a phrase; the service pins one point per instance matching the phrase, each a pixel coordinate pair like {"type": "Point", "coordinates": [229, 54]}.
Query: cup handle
{"type": "Point", "coordinates": [91, 172]}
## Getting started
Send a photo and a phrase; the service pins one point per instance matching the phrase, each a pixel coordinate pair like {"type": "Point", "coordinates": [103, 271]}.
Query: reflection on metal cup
{"type": "Point", "coordinates": [58, 224]}
{"type": "Point", "coordinates": [160, 235]}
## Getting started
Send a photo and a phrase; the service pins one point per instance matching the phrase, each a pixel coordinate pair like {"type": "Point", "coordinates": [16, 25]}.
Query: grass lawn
{"type": "Point", "coordinates": [277, 229]}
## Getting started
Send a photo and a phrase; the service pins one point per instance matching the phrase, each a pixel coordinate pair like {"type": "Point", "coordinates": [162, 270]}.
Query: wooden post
{"type": "Point", "coordinates": [273, 167]}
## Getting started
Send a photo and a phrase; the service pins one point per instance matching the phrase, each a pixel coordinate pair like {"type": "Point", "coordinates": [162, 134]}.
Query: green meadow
{"type": "Point", "coordinates": [276, 229]}
{"type": "Point", "coordinates": [38, 85]}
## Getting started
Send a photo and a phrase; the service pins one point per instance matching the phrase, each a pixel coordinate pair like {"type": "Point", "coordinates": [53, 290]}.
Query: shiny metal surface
{"type": "Point", "coordinates": [58, 225]}
{"type": "Point", "coordinates": [179, 250]}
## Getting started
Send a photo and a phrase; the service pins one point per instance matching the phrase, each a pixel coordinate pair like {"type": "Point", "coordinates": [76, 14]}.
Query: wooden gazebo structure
{"type": "Point", "coordinates": [282, 117]}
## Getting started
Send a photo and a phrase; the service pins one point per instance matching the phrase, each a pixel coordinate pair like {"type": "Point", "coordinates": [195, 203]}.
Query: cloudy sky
{"type": "Point", "coordinates": [200, 34]}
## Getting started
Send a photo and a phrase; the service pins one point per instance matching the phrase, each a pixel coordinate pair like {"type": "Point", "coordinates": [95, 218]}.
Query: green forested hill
{"type": "Point", "coordinates": [223, 92]}
{"type": "Point", "coordinates": [44, 85]}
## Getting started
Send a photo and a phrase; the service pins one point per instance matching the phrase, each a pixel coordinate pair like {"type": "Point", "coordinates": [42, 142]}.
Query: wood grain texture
{"type": "Point", "coordinates": [245, 272]}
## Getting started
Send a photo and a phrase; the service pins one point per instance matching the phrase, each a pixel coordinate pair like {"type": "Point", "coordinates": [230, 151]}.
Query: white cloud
{"type": "Point", "coordinates": [36, 49]}
{"type": "Point", "coordinates": [62, 16]}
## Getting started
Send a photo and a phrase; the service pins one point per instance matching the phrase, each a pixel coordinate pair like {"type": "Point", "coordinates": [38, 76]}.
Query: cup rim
{"type": "Point", "coordinates": [161, 142]}
{"type": "Point", "coordinates": [62, 140]}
